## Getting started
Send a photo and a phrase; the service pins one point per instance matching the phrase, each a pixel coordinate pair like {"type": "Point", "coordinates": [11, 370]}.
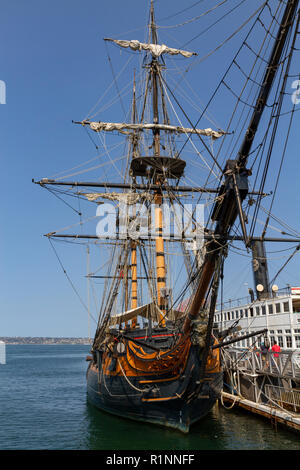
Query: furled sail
{"type": "Point", "coordinates": [125, 127]}
{"type": "Point", "coordinates": [146, 311]}
{"type": "Point", "coordinates": [125, 198]}
{"type": "Point", "coordinates": [155, 49]}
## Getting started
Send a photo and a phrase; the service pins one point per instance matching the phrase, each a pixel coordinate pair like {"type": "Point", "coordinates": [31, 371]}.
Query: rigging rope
{"type": "Point", "coordinates": [195, 18]}
{"type": "Point", "coordinates": [69, 279]}
{"type": "Point", "coordinates": [274, 132]}
{"type": "Point", "coordinates": [197, 61]}
{"type": "Point", "coordinates": [288, 260]}
{"type": "Point", "coordinates": [182, 11]}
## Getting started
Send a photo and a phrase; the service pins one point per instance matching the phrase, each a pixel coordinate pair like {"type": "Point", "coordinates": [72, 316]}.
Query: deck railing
{"type": "Point", "coordinates": [235, 303]}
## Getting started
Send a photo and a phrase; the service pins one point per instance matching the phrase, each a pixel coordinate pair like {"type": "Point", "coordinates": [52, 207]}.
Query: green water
{"type": "Point", "coordinates": [43, 406]}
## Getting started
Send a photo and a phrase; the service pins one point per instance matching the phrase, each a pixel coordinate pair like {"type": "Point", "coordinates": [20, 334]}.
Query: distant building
{"type": "Point", "coordinates": [2, 353]}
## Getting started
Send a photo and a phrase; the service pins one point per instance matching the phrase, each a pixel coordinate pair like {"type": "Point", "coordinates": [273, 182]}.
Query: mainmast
{"type": "Point", "coordinates": [133, 245]}
{"type": "Point", "coordinates": [154, 70]}
{"type": "Point", "coordinates": [158, 199]}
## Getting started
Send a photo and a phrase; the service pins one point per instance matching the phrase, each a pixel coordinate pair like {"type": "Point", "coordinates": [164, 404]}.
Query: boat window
{"type": "Point", "coordinates": [280, 341]}
{"type": "Point", "coordinates": [272, 339]}
{"type": "Point", "coordinates": [279, 331]}
{"type": "Point", "coordinates": [263, 309]}
{"type": "Point", "coordinates": [289, 342]}
{"type": "Point", "coordinates": [232, 315]}
{"type": "Point", "coordinates": [241, 312]}
{"type": "Point", "coordinates": [286, 307]}
{"type": "Point", "coordinates": [251, 312]}
{"type": "Point", "coordinates": [277, 308]}
{"type": "Point", "coordinates": [272, 331]}
{"type": "Point", "coordinates": [237, 314]}
{"type": "Point", "coordinates": [297, 338]}
{"type": "Point", "coordinates": [296, 306]}
{"type": "Point", "coordinates": [270, 309]}
{"type": "Point", "coordinates": [287, 331]}
{"type": "Point", "coordinates": [246, 313]}
{"type": "Point", "coordinates": [257, 311]}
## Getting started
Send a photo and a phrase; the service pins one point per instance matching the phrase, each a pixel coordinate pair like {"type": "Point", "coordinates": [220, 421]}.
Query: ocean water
{"type": "Point", "coordinates": [43, 406]}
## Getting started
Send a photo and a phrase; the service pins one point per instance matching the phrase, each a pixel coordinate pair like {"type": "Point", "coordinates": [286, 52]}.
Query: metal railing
{"type": "Point", "coordinates": [242, 301]}
{"type": "Point", "coordinates": [287, 398]}
{"type": "Point", "coordinates": [253, 361]}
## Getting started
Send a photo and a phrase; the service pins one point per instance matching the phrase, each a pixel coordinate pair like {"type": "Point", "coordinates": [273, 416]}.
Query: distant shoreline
{"type": "Point", "coordinates": [43, 340]}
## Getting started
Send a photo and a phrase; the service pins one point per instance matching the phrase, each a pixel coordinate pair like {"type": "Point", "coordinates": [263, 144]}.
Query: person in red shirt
{"type": "Point", "coordinates": [276, 349]}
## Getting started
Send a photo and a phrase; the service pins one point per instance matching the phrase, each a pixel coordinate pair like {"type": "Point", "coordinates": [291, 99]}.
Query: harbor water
{"type": "Point", "coordinates": [43, 406]}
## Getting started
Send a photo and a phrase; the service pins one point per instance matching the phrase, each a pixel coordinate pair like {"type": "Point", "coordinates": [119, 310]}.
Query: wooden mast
{"type": "Point", "coordinates": [158, 199]}
{"type": "Point", "coordinates": [160, 258]}
{"type": "Point", "coordinates": [133, 265]}
{"type": "Point", "coordinates": [134, 302]}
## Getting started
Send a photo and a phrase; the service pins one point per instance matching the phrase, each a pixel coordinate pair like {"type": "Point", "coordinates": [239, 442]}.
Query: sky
{"type": "Point", "coordinates": [55, 66]}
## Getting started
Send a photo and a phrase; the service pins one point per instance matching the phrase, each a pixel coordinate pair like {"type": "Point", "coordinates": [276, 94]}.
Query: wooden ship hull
{"type": "Point", "coordinates": [128, 384]}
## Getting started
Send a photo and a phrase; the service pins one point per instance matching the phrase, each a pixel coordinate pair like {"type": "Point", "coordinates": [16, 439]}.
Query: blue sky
{"type": "Point", "coordinates": [55, 66]}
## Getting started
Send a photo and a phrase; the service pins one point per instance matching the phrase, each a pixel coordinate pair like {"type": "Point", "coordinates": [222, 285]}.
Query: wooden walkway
{"type": "Point", "coordinates": [276, 415]}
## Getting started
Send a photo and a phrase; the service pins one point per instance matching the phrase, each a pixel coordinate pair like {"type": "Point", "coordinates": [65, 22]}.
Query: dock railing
{"type": "Point", "coordinates": [285, 365]}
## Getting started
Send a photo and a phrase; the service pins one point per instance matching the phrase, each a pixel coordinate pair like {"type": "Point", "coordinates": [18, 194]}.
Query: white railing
{"type": "Point", "coordinates": [285, 365]}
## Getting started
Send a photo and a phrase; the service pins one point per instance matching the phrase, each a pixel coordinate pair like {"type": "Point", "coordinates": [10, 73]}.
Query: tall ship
{"type": "Point", "coordinates": [156, 352]}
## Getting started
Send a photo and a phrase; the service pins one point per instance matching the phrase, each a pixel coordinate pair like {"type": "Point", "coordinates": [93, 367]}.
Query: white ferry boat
{"type": "Point", "coordinates": [277, 310]}
{"type": "Point", "coordinates": [280, 314]}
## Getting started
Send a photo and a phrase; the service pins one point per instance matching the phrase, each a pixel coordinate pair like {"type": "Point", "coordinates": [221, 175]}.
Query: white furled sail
{"type": "Point", "coordinates": [144, 311]}
{"type": "Point", "coordinates": [155, 49]}
{"type": "Point", "coordinates": [124, 127]}
{"type": "Point", "coordinates": [125, 198]}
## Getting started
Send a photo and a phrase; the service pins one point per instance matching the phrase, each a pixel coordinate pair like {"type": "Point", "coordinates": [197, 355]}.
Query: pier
{"type": "Point", "coordinates": [263, 384]}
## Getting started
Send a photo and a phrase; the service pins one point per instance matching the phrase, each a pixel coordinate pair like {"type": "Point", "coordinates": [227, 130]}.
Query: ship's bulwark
{"type": "Point", "coordinates": [172, 401]}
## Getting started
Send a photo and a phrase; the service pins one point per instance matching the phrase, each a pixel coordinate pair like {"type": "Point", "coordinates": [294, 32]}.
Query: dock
{"type": "Point", "coordinates": [263, 385]}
